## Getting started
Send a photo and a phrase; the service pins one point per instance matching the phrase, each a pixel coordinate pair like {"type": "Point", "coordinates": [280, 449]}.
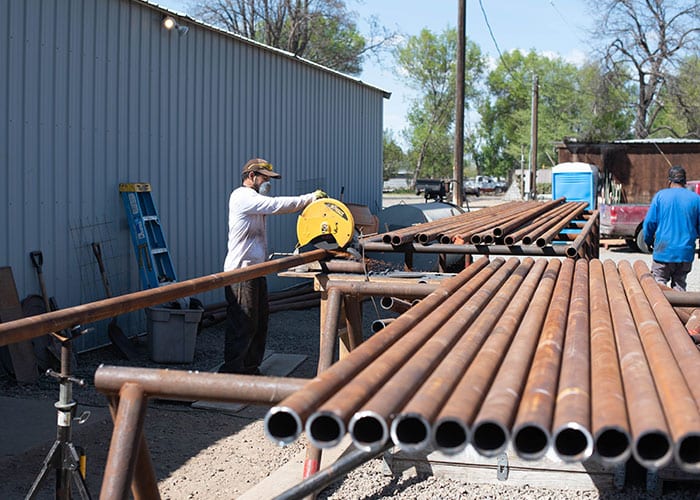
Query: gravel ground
{"type": "Point", "coordinates": [212, 454]}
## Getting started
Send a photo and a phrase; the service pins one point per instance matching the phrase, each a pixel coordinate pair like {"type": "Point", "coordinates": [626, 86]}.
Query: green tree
{"type": "Point", "coordinates": [681, 115]}
{"type": "Point", "coordinates": [395, 160]}
{"type": "Point", "coordinates": [649, 38]}
{"type": "Point", "coordinates": [428, 63]}
{"type": "Point", "coordinates": [323, 31]}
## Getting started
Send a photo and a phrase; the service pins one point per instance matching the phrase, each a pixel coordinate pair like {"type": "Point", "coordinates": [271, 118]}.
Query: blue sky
{"type": "Point", "coordinates": [556, 27]}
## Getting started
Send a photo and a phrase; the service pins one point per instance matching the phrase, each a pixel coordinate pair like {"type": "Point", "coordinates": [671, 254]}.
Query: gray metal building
{"type": "Point", "coordinates": [97, 92]}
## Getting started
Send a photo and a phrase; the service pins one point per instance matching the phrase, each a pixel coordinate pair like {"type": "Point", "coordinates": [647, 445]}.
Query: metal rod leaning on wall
{"type": "Point", "coordinates": [531, 430]}
{"type": "Point", "coordinates": [369, 427]}
{"type": "Point", "coordinates": [491, 428]}
{"type": "Point", "coordinates": [571, 435]}
{"type": "Point", "coordinates": [411, 429]}
{"type": "Point", "coordinates": [284, 422]}
{"type": "Point", "coordinates": [326, 426]}
{"type": "Point", "coordinates": [451, 410]}
{"type": "Point", "coordinates": [651, 444]}
{"type": "Point", "coordinates": [609, 421]}
{"type": "Point", "coordinates": [677, 402]}
{"type": "Point", "coordinates": [35, 326]}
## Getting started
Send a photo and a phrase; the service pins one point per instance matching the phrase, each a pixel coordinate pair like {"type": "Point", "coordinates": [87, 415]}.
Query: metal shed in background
{"type": "Point", "coordinates": [638, 168]}
{"type": "Point", "coordinates": [97, 92]}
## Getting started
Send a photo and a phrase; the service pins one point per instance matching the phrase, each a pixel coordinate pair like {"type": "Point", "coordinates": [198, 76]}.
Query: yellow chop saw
{"type": "Point", "coordinates": [326, 223]}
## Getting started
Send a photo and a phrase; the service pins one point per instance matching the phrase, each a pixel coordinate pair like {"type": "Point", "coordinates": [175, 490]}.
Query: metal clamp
{"type": "Point", "coordinates": [502, 467]}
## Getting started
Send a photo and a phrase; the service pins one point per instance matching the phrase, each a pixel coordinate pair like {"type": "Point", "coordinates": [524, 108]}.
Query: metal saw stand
{"type": "Point", "coordinates": [63, 457]}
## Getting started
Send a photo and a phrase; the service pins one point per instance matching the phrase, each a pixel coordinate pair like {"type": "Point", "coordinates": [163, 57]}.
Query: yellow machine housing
{"type": "Point", "coordinates": [325, 221]}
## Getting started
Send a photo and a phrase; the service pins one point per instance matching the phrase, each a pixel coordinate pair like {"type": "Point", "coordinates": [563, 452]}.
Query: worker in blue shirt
{"type": "Point", "coordinates": [671, 227]}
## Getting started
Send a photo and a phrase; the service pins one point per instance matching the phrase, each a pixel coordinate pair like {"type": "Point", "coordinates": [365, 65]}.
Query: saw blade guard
{"type": "Point", "coordinates": [325, 221]}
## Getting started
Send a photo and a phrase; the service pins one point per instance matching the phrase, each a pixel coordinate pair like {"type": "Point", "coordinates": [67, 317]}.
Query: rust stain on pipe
{"type": "Point", "coordinates": [609, 421]}
{"type": "Point", "coordinates": [347, 399]}
{"type": "Point", "coordinates": [491, 428]}
{"type": "Point", "coordinates": [404, 382]}
{"type": "Point", "coordinates": [572, 438]}
{"type": "Point", "coordinates": [650, 437]}
{"type": "Point", "coordinates": [300, 405]}
{"type": "Point", "coordinates": [531, 430]}
{"type": "Point", "coordinates": [452, 395]}
{"type": "Point", "coordinates": [676, 399]}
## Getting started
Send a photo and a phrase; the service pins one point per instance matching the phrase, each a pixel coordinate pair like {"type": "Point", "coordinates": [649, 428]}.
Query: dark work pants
{"type": "Point", "coordinates": [246, 326]}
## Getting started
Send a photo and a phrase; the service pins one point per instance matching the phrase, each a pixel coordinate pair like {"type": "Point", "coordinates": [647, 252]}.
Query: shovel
{"type": "Point", "coordinates": [120, 341]}
{"type": "Point", "coordinates": [48, 341]}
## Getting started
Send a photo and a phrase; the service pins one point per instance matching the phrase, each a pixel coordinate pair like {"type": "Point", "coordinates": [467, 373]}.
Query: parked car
{"type": "Point", "coordinates": [471, 187]}
{"type": "Point", "coordinates": [432, 189]}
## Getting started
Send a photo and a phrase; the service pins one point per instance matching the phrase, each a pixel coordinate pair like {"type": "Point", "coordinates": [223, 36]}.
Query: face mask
{"type": "Point", "coordinates": [265, 188]}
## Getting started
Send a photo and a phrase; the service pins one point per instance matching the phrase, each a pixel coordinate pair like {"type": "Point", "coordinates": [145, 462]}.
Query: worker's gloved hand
{"type": "Point", "coordinates": [318, 194]}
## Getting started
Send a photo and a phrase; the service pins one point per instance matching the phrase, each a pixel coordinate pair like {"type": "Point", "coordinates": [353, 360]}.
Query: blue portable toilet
{"type": "Point", "coordinates": [576, 181]}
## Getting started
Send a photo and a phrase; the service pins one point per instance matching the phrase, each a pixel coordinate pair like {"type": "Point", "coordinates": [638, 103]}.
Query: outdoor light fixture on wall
{"type": "Point", "coordinates": [169, 23]}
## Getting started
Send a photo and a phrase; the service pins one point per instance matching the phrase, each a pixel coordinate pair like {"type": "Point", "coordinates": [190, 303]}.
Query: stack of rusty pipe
{"type": "Point", "coordinates": [499, 229]}
{"type": "Point", "coordinates": [587, 358]}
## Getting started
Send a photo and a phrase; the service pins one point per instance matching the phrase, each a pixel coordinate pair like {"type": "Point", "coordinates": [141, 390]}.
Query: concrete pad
{"type": "Point", "coordinates": [290, 474]}
{"type": "Point", "coordinates": [274, 365]}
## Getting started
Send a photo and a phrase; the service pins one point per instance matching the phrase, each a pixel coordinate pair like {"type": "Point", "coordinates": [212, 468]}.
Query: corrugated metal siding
{"type": "Point", "coordinates": [97, 93]}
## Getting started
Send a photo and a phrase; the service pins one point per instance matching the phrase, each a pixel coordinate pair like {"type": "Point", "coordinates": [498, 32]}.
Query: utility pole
{"type": "Point", "coordinates": [458, 193]}
{"type": "Point", "coordinates": [533, 139]}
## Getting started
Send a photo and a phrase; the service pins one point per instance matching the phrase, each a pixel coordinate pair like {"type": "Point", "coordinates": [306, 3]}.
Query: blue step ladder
{"type": "Point", "coordinates": [155, 265]}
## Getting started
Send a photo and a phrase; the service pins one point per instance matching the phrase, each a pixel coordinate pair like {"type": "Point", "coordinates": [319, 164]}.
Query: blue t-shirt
{"type": "Point", "coordinates": [672, 224]}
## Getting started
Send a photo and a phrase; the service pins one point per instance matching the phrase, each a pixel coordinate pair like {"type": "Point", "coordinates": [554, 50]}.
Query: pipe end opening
{"type": "Point", "coordinates": [282, 425]}
{"type": "Point", "coordinates": [653, 449]}
{"type": "Point", "coordinates": [410, 432]}
{"type": "Point", "coordinates": [613, 444]}
{"type": "Point", "coordinates": [531, 442]}
{"type": "Point", "coordinates": [368, 431]}
{"type": "Point", "coordinates": [450, 436]}
{"type": "Point", "coordinates": [573, 443]}
{"type": "Point", "coordinates": [489, 438]}
{"type": "Point", "coordinates": [688, 452]}
{"type": "Point", "coordinates": [324, 430]}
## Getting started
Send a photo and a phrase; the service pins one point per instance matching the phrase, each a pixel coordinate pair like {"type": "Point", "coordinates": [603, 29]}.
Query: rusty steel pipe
{"type": "Point", "coordinates": [372, 288]}
{"type": "Point", "coordinates": [687, 299]}
{"type": "Point", "coordinates": [651, 444]}
{"type": "Point", "coordinates": [681, 344]}
{"type": "Point", "coordinates": [549, 235]}
{"type": "Point", "coordinates": [126, 436]}
{"type": "Point", "coordinates": [380, 324]}
{"type": "Point", "coordinates": [609, 422]}
{"type": "Point", "coordinates": [571, 435]}
{"type": "Point", "coordinates": [284, 422]}
{"type": "Point", "coordinates": [55, 321]}
{"type": "Point", "coordinates": [532, 250]}
{"type": "Point", "coordinates": [326, 425]}
{"type": "Point", "coordinates": [677, 401]}
{"type": "Point", "coordinates": [526, 216]}
{"type": "Point", "coordinates": [583, 236]}
{"type": "Point", "coordinates": [394, 304]}
{"type": "Point", "coordinates": [530, 233]}
{"type": "Point", "coordinates": [451, 429]}
{"type": "Point", "coordinates": [408, 376]}
{"type": "Point", "coordinates": [491, 427]}
{"type": "Point", "coordinates": [343, 266]}
{"type": "Point", "coordinates": [531, 430]}
{"type": "Point", "coordinates": [181, 385]}
{"type": "Point", "coordinates": [411, 430]}
{"type": "Point", "coordinates": [546, 222]}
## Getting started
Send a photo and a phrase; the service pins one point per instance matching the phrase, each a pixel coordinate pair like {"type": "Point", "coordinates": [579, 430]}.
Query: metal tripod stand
{"type": "Point", "coordinates": [63, 457]}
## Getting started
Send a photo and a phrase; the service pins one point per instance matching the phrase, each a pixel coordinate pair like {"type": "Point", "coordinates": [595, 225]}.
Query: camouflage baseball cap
{"type": "Point", "coordinates": [260, 166]}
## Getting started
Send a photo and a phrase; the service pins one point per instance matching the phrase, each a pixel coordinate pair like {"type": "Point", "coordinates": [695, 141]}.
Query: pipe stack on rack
{"type": "Point", "coordinates": [503, 229]}
{"type": "Point", "coordinates": [585, 357]}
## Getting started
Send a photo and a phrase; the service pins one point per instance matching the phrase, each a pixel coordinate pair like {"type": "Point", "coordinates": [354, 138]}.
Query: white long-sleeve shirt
{"type": "Point", "coordinates": [247, 238]}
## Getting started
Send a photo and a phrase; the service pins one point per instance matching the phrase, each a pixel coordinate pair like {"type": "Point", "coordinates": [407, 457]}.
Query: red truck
{"type": "Point", "coordinates": [625, 220]}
